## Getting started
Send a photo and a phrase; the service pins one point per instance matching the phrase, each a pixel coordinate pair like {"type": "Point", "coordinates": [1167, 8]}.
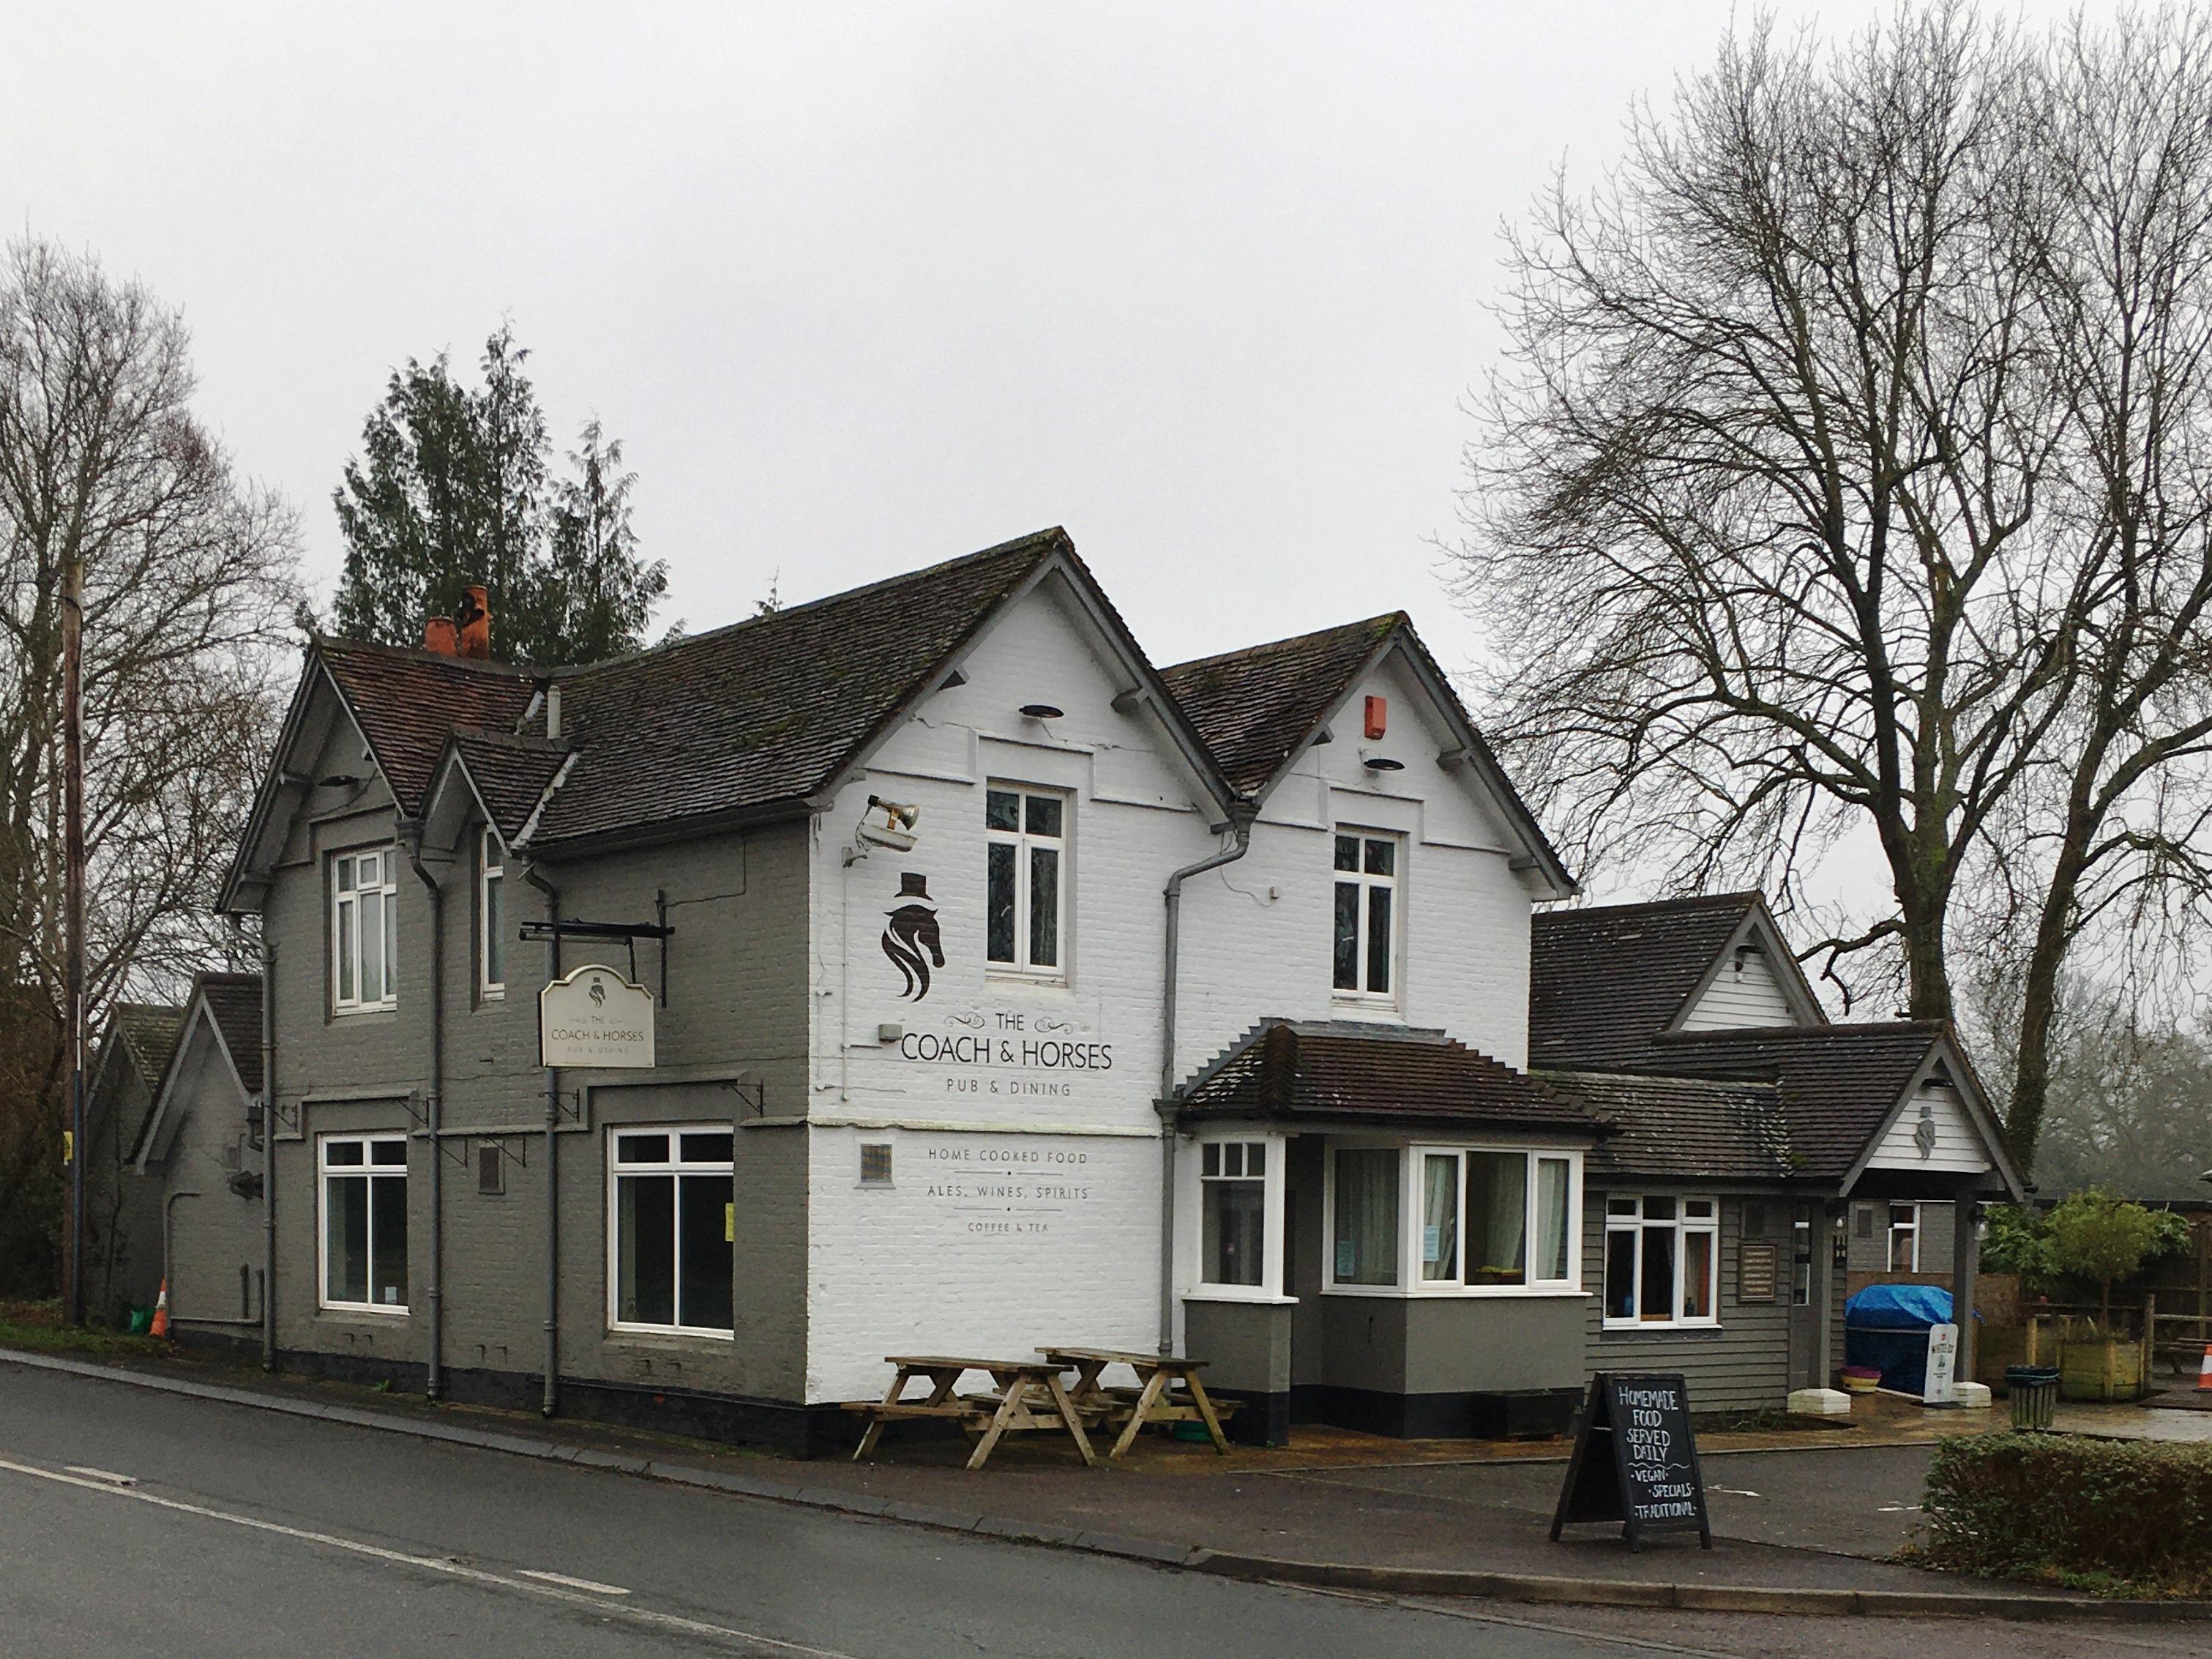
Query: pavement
{"type": "Point", "coordinates": [1804, 1517]}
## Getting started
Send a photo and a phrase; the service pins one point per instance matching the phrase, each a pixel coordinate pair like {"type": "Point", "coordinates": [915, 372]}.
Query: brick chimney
{"type": "Point", "coordinates": [439, 634]}
{"type": "Point", "coordinates": [475, 622]}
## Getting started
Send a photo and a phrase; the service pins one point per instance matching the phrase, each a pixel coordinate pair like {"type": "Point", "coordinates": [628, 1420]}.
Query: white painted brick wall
{"type": "Point", "coordinates": [908, 1269]}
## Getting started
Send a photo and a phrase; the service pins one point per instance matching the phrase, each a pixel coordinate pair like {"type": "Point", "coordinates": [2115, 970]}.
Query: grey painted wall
{"type": "Point", "coordinates": [1743, 1364]}
{"type": "Point", "coordinates": [1246, 1346]}
{"type": "Point", "coordinates": [1868, 1238]}
{"type": "Point", "coordinates": [215, 1234]}
{"type": "Point", "coordinates": [735, 1014]}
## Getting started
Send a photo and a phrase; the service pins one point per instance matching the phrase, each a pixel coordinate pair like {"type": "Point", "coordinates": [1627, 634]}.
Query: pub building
{"type": "Point", "coordinates": [1001, 989]}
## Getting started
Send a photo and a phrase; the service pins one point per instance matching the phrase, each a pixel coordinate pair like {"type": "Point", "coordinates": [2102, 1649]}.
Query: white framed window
{"type": "Point", "coordinates": [362, 1193]}
{"type": "Point", "coordinates": [491, 915]}
{"type": "Point", "coordinates": [1363, 959]}
{"type": "Point", "coordinates": [1475, 1220]}
{"type": "Point", "coordinates": [1905, 1238]}
{"type": "Point", "coordinates": [1025, 881]}
{"type": "Point", "coordinates": [1662, 1257]}
{"type": "Point", "coordinates": [364, 930]}
{"type": "Point", "coordinates": [671, 1232]}
{"type": "Point", "coordinates": [1232, 1179]}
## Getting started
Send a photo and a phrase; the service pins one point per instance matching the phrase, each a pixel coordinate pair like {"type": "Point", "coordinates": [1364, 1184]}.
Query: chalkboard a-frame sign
{"type": "Point", "coordinates": [1635, 1460]}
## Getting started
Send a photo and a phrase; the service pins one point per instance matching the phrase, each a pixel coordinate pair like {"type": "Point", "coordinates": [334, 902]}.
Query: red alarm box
{"type": "Point", "coordinates": [1378, 716]}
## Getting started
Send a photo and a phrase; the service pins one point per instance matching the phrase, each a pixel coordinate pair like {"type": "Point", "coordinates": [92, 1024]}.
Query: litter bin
{"type": "Point", "coordinates": [2034, 1392]}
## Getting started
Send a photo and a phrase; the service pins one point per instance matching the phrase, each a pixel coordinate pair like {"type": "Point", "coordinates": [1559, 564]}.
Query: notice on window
{"type": "Point", "coordinates": [595, 1018]}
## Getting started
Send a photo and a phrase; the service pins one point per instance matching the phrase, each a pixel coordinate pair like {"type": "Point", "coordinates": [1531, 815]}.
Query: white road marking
{"type": "Point", "coordinates": [108, 1475]}
{"type": "Point", "coordinates": [1732, 1492]}
{"type": "Point", "coordinates": [533, 1586]}
{"type": "Point", "coordinates": [563, 1579]}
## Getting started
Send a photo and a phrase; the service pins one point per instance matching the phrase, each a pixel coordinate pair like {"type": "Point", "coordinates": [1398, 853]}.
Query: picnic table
{"type": "Point", "coordinates": [1030, 1396]}
{"type": "Point", "coordinates": [1167, 1391]}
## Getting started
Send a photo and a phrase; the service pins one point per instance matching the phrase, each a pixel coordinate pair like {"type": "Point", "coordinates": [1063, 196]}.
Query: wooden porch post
{"type": "Point", "coordinates": [1965, 1270]}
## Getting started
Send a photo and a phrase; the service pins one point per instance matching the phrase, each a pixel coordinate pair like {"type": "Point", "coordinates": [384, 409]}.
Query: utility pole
{"type": "Point", "coordinates": [73, 909]}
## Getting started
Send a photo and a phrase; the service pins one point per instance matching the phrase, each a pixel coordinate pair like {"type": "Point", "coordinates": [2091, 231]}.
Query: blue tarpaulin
{"type": "Point", "coordinates": [1899, 1307]}
{"type": "Point", "coordinates": [1886, 1326]}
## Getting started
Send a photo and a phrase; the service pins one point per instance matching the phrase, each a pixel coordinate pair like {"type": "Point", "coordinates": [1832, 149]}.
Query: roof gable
{"type": "Point", "coordinates": [1604, 980]}
{"type": "Point", "coordinates": [1260, 708]}
{"type": "Point", "coordinates": [222, 1025]}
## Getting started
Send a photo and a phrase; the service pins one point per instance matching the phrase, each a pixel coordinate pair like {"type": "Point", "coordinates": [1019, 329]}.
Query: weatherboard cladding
{"type": "Point", "coordinates": [1603, 982]}
{"type": "Point", "coordinates": [1330, 1070]}
{"type": "Point", "coordinates": [1680, 1127]}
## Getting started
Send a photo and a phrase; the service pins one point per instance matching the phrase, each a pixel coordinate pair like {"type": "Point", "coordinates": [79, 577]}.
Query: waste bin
{"type": "Point", "coordinates": [2034, 1392]}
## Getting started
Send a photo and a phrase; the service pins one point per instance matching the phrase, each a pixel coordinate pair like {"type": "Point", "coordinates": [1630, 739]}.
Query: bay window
{"type": "Point", "coordinates": [1475, 1219]}
{"type": "Point", "coordinates": [1233, 1212]}
{"type": "Point", "coordinates": [362, 1194]}
{"type": "Point", "coordinates": [1661, 1260]}
{"type": "Point", "coordinates": [1025, 880]}
{"type": "Point", "coordinates": [364, 930]}
{"type": "Point", "coordinates": [672, 1238]}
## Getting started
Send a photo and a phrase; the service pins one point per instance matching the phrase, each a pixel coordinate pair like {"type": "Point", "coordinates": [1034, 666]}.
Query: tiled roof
{"type": "Point", "coordinates": [769, 711]}
{"type": "Point", "coordinates": [1839, 1082]}
{"type": "Point", "coordinates": [511, 772]}
{"type": "Point", "coordinates": [234, 1000]}
{"type": "Point", "coordinates": [1685, 1129]}
{"type": "Point", "coordinates": [147, 1031]}
{"type": "Point", "coordinates": [1346, 1072]}
{"type": "Point", "coordinates": [1604, 980]}
{"type": "Point", "coordinates": [1254, 706]}
{"type": "Point", "coordinates": [409, 703]}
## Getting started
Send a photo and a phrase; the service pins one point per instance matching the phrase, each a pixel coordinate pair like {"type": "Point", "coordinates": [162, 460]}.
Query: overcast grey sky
{"type": "Point", "coordinates": [863, 288]}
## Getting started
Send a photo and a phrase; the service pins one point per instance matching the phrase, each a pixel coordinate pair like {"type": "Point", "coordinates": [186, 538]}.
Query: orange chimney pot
{"type": "Point", "coordinates": [439, 634]}
{"type": "Point", "coordinates": [476, 623]}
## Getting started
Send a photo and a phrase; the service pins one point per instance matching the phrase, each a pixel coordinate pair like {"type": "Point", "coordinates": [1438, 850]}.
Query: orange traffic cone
{"type": "Point", "coordinates": [2205, 1371]}
{"type": "Point", "coordinates": [162, 1319]}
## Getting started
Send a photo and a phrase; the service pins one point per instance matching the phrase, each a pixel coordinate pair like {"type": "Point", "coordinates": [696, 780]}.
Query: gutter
{"type": "Point", "coordinates": [1240, 826]}
{"type": "Point", "coordinates": [552, 1400]}
{"type": "Point", "coordinates": [434, 1108]}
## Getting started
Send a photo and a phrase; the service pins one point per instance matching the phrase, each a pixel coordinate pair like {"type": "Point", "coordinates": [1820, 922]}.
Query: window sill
{"type": "Point", "coordinates": [1630, 1327]}
{"type": "Point", "coordinates": [1002, 975]}
{"type": "Point", "coordinates": [1381, 1013]}
{"type": "Point", "coordinates": [666, 1335]}
{"type": "Point", "coordinates": [1247, 1295]}
{"type": "Point", "coordinates": [370, 1012]}
{"type": "Point", "coordinates": [361, 1311]}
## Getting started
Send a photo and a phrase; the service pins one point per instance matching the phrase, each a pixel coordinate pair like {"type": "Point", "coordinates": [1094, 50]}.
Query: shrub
{"type": "Point", "coordinates": [2106, 1238]}
{"type": "Point", "coordinates": [2132, 1516]}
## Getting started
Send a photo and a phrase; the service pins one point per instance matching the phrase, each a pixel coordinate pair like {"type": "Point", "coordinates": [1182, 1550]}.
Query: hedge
{"type": "Point", "coordinates": [2127, 1515]}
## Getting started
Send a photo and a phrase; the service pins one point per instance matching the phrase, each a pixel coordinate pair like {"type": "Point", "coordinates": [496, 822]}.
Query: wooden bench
{"type": "Point", "coordinates": [1030, 1397]}
{"type": "Point", "coordinates": [1168, 1391]}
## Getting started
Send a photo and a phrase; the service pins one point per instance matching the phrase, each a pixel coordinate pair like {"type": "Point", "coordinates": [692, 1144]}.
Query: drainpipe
{"type": "Point", "coordinates": [435, 1111]}
{"type": "Point", "coordinates": [1240, 826]}
{"type": "Point", "coordinates": [552, 1167]}
{"type": "Point", "coordinates": [268, 1147]}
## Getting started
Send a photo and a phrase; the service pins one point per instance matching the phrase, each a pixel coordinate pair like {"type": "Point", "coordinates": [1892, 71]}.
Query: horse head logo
{"type": "Point", "coordinates": [599, 992]}
{"type": "Point", "coordinates": [911, 931]}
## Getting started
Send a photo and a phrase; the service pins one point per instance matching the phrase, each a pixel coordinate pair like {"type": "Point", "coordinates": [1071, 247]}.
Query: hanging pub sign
{"type": "Point", "coordinates": [1635, 1460]}
{"type": "Point", "coordinates": [594, 1017]}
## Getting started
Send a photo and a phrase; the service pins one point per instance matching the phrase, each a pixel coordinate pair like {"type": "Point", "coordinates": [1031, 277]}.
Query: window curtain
{"type": "Point", "coordinates": [1439, 1217]}
{"type": "Point", "coordinates": [1497, 1217]}
{"type": "Point", "coordinates": [1367, 1216]}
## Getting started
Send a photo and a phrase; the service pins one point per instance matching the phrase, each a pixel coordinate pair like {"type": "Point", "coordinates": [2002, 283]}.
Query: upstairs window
{"type": "Point", "coordinates": [364, 930]}
{"type": "Point", "coordinates": [491, 915]}
{"type": "Point", "coordinates": [1025, 869]}
{"type": "Point", "coordinates": [1366, 956]}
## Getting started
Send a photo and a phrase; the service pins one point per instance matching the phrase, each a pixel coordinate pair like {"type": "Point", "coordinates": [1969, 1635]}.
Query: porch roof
{"type": "Point", "coordinates": [1344, 1072]}
{"type": "Point", "coordinates": [1684, 1127]}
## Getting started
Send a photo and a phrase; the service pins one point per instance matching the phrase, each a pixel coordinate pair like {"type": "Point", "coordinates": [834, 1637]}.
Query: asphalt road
{"type": "Point", "coordinates": [243, 1533]}
{"type": "Point", "coordinates": [247, 1534]}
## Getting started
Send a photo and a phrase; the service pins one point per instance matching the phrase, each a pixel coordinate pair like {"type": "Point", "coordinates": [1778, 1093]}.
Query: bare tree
{"type": "Point", "coordinates": [1846, 479]}
{"type": "Point", "coordinates": [189, 584]}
